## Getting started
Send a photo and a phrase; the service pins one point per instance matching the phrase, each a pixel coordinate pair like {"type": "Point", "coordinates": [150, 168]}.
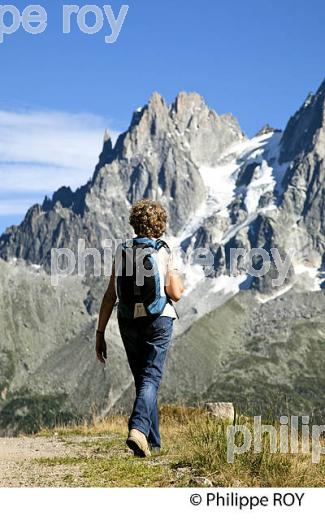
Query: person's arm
{"type": "Point", "coordinates": [174, 286]}
{"type": "Point", "coordinates": [105, 313]}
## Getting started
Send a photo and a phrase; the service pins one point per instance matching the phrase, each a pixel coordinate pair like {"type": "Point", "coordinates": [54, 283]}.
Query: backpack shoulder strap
{"type": "Point", "coordinates": [127, 244]}
{"type": "Point", "coordinates": [161, 243]}
{"type": "Point", "coordinates": [144, 242]}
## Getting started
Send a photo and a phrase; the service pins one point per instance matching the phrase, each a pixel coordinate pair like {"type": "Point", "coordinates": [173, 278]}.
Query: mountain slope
{"type": "Point", "coordinates": [266, 358]}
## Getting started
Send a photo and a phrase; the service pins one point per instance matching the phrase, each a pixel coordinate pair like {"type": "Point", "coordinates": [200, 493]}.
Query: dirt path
{"type": "Point", "coordinates": [18, 462]}
{"type": "Point", "coordinates": [82, 461]}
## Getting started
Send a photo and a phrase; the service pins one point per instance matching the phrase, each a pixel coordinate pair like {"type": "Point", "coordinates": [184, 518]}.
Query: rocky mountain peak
{"type": "Point", "coordinates": [185, 107]}
{"type": "Point", "coordinates": [306, 128]}
{"type": "Point", "coordinates": [107, 136]}
{"type": "Point", "coordinates": [156, 102]}
{"type": "Point", "coordinates": [302, 148]}
{"type": "Point", "coordinates": [267, 129]}
{"type": "Point", "coordinates": [203, 131]}
{"type": "Point", "coordinates": [214, 182]}
{"type": "Point", "coordinates": [158, 157]}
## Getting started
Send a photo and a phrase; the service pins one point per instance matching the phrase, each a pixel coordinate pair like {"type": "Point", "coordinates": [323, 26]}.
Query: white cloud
{"type": "Point", "coordinates": [41, 151]}
{"type": "Point", "coordinates": [16, 206]}
{"type": "Point", "coordinates": [36, 178]}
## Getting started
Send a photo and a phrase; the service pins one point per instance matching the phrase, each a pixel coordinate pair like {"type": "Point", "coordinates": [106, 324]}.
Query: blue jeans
{"type": "Point", "coordinates": [146, 343]}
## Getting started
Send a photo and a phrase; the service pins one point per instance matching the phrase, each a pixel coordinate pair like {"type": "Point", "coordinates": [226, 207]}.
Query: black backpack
{"type": "Point", "coordinates": [134, 287]}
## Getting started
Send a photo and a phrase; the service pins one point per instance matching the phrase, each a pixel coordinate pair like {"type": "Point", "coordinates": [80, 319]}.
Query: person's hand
{"type": "Point", "coordinates": [101, 348]}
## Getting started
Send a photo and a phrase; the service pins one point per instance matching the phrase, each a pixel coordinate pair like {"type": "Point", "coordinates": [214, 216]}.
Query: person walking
{"type": "Point", "coordinates": [145, 281]}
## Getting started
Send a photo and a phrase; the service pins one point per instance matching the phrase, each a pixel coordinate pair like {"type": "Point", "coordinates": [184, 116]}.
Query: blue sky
{"type": "Point", "coordinates": [255, 58]}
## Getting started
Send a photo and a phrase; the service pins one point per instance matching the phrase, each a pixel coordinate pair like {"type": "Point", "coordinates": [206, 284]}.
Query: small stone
{"type": "Point", "coordinates": [202, 482]}
{"type": "Point", "coordinates": [184, 469]}
{"type": "Point", "coordinates": [224, 411]}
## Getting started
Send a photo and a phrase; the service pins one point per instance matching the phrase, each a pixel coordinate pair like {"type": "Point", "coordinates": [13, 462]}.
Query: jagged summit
{"type": "Point", "coordinates": [221, 189]}
{"type": "Point", "coordinates": [267, 129]}
{"type": "Point", "coordinates": [303, 148]}
{"type": "Point", "coordinates": [159, 156]}
{"type": "Point", "coordinates": [305, 128]}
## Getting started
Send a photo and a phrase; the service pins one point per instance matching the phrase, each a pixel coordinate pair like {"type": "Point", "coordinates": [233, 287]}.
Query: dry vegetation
{"type": "Point", "coordinates": [194, 454]}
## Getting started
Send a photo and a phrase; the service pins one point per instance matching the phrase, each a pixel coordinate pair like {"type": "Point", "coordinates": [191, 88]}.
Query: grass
{"type": "Point", "coordinates": [113, 472]}
{"type": "Point", "coordinates": [207, 452]}
{"type": "Point", "coordinates": [195, 445]}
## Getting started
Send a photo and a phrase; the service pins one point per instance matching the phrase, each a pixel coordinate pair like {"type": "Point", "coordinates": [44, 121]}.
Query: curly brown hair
{"type": "Point", "coordinates": [148, 218]}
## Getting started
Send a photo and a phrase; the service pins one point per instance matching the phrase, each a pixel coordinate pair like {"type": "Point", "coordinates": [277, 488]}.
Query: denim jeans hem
{"type": "Point", "coordinates": [134, 426]}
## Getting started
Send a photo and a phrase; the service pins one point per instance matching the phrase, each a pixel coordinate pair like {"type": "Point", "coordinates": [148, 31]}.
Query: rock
{"type": "Point", "coordinates": [266, 129]}
{"type": "Point", "coordinates": [304, 128]}
{"type": "Point", "coordinates": [183, 470]}
{"type": "Point", "coordinates": [201, 481]}
{"type": "Point", "coordinates": [224, 411]}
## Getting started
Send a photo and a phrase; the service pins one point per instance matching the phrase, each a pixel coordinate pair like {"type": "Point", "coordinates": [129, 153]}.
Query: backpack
{"type": "Point", "coordinates": [138, 281]}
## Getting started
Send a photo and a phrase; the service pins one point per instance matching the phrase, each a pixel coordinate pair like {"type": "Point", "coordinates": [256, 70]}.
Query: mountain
{"type": "Point", "coordinates": [222, 191]}
{"type": "Point", "coordinates": [156, 158]}
{"type": "Point", "coordinates": [303, 147]}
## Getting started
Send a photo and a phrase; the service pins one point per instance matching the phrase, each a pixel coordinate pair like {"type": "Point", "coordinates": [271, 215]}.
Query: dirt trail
{"type": "Point", "coordinates": [84, 460]}
{"type": "Point", "coordinates": [18, 456]}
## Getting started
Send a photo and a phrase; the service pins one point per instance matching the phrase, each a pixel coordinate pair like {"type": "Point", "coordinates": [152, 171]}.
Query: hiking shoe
{"type": "Point", "coordinates": [138, 443]}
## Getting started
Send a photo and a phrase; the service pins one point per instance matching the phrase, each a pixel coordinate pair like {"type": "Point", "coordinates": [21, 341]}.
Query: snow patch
{"type": "Point", "coordinates": [312, 274]}
{"type": "Point", "coordinates": [228, 284]}
{"type": "Point", "coordinates": [274, 295]}
{"type": "Point", "coordinates": [262, 182]}
{"type": "Point", "coordinates": [220, 182]}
